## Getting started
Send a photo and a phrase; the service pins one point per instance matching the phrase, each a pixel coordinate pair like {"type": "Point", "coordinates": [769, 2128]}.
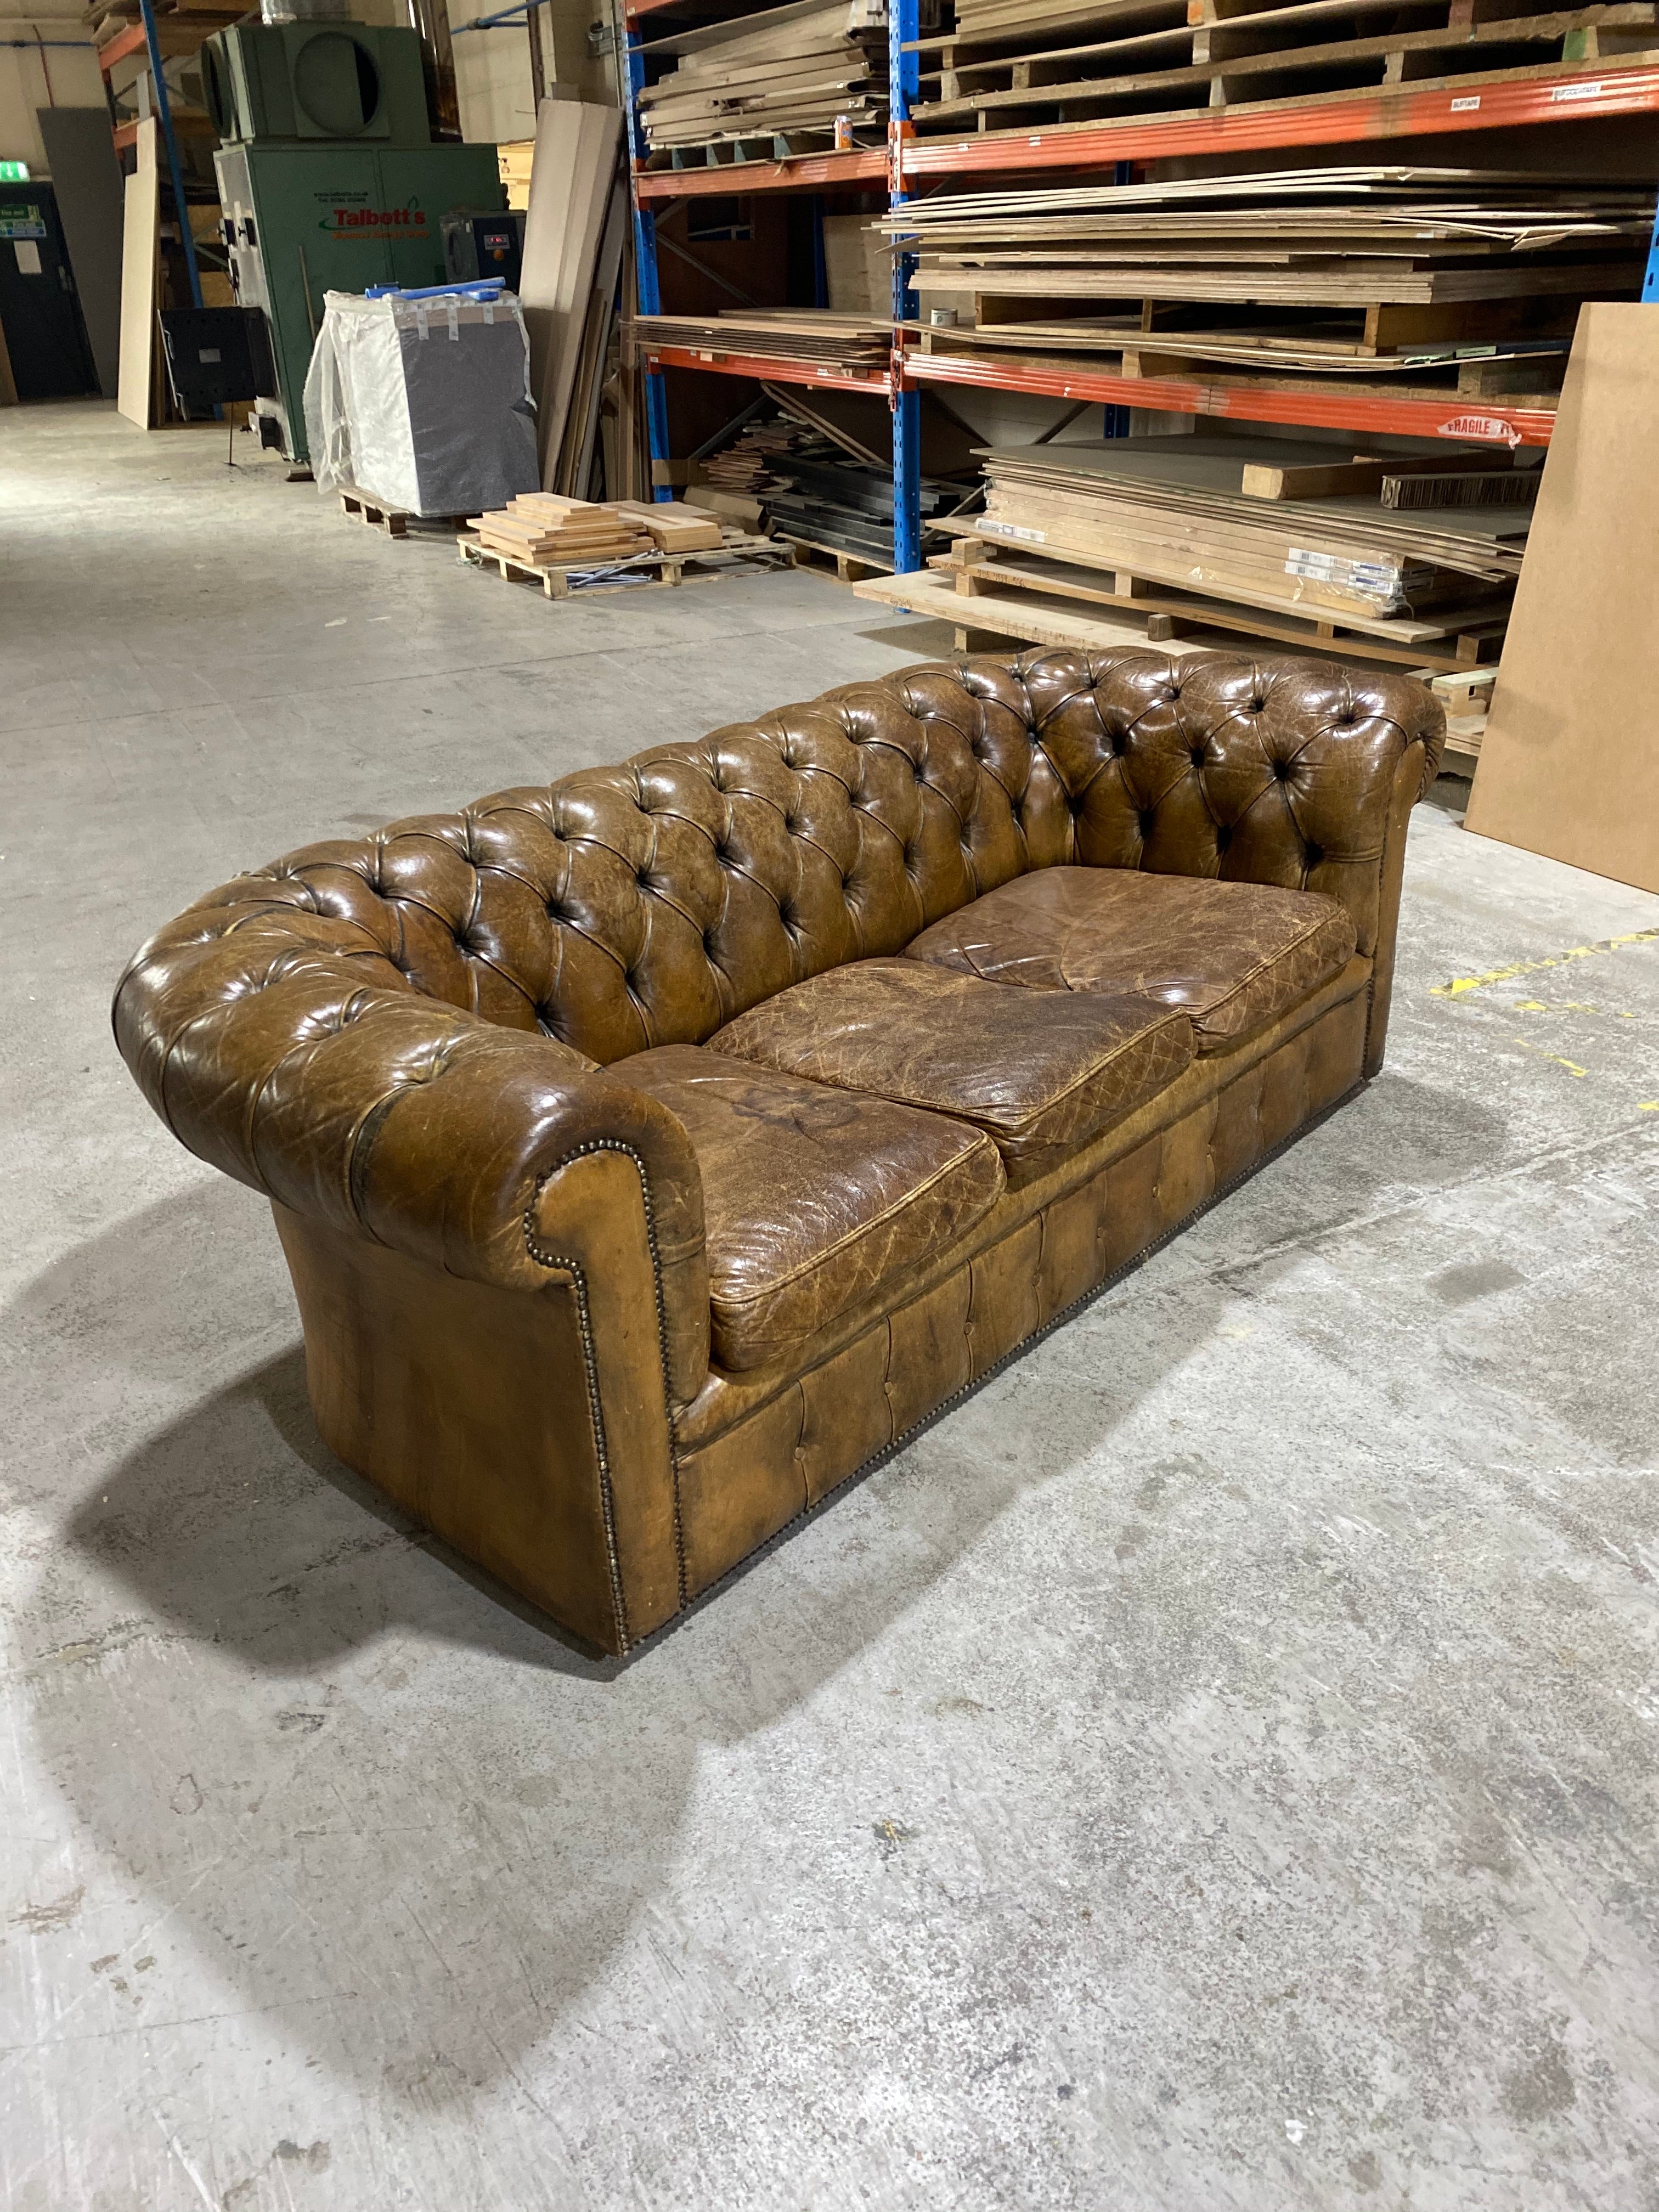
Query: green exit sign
{"type": "Point", "coordinates": [13, 172]}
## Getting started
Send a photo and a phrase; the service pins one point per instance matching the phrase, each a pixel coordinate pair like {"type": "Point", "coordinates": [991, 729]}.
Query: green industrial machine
{"type": "Point", "coordinates": [329, 180]}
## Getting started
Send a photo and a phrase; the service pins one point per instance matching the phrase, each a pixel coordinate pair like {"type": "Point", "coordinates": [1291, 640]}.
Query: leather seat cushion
{"type": "Point", "coordinates": [813, 1197]}
{"type": "Point", "coordinates": [1231, 956]}
{"type": "Point", "coordinates": [1039, 1072]}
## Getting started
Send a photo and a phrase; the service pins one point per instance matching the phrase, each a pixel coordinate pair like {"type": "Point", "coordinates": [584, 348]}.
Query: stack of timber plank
{"type": "Point", "coordinates": [817, 335]}
{"type": "Point", "coordinates": [673, 527]}
{"type": "Point", "coordinates": [1399, 553]}
{"type": "Point", "coordinates": [544, 530]}
{"type": "Point", "coordinates": [789, 69]}
{"type": "Point", "coordinates": [1020, 63]}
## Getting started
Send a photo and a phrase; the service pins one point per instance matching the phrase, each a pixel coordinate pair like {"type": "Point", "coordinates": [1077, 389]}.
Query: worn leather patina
{"type": "Point", "coordinates": [1230, 956]}
{"type": "Point", "coordinates": [812, 1197]}
{"type": "Point", "coordinates": [1040, 1076]}
{"type": "Point", "coordinates": [605, 1276]}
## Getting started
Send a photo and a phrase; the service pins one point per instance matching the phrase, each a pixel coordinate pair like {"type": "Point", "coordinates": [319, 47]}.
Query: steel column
{"type": "Point", "coordinates": [903, 80]}
{"type": "Point", "coordinates": [647, 294]}
{"type": "Point", "coordinates": [164, 119]}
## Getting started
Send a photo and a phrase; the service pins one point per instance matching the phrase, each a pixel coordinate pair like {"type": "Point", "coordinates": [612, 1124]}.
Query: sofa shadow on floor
{"type": "Point", "coordinates": [352, 1736]}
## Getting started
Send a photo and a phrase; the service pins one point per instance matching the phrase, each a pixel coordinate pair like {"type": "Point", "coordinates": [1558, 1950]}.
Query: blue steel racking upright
{"type": "Point", "coordinates": [903, 82]}
{"type": "Point", "coordinates": [1571, 95]}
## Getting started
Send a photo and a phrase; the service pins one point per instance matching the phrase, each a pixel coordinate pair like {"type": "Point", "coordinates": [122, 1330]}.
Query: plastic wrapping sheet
{"type": "Point", "coordinates": [422, 404]}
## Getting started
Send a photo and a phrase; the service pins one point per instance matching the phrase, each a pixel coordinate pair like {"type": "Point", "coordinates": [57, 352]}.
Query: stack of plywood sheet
{"type": "Point", "coordinates": [815, 334]}
{"type": "Point", "coordinates": [1385, 256]}
{"type": "Point", "coordinates": [798, 68]}
{"type": "Point", "coordinates": [545, 531]}
{"type": "Point", "coordinates": [1019, 63]}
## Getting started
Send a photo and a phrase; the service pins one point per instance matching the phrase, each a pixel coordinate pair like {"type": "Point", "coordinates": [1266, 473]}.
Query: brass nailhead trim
{"type": "Point", "coordinates": [569, 1265]}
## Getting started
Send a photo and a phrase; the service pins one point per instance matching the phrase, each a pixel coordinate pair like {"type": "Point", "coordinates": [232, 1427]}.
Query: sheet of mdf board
{"type": "Point", "coordinates": [1570, 760]}
{"type": "Point", "coordinates": [569, 183]}
{"type": "Point", "coordinates": [141, 246]}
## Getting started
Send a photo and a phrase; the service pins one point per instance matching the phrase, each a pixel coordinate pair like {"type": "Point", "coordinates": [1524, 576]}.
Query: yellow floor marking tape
{"type": "Point", "coordinates": [1456, 989]}
{"type": "Point", "coordinates": [1571, 1066]}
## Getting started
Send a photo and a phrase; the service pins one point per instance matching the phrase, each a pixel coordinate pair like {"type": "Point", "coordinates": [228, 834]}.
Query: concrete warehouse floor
{"type": "Point", "coordinates": [1214, 1768]}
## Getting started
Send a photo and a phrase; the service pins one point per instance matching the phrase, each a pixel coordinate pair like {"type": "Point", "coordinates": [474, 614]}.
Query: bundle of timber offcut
{"type": "Point", "coordinates": [796, 68]}
{"type": "Point", "coordinates": [1348, 239]}
{"type": "Point", "coordinates": [813, 334]}
{"type": "Point", "coordinates": [1221, 517]}
{"type": "Point", "coordinates": [756, 457]}
{"type": "Point", "coordinates": [550, 531]}
{"type": "Point", "coordinates": [1019, 63]}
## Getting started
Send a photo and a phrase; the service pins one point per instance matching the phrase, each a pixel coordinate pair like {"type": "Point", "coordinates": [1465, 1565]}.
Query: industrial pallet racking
{"type": "Point", "coordinates": [1580, 94]}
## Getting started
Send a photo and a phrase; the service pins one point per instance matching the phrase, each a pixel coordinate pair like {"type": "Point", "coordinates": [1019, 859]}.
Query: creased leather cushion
{"type": "Point", "coordinates": [812, 1197]}
{"type": "Point", "coordinates": [1041, 1074]}
{"type": "Point", "coordinates": [1233, 956]}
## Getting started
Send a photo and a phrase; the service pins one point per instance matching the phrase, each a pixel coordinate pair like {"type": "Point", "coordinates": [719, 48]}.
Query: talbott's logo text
{"type": "Point", "coordinates": [344, 219]}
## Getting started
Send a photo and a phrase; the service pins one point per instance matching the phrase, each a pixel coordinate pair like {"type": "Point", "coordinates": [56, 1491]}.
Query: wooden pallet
{"type": "Point", "coordinates": [657, 570]}
{"type": "Point", "coordinates": [1048, 593]}
{"type": "Point", "coordinates": [850, 568]}
{"type": "Point", "coordinates": [991, 621]}
{"type": "Point", "coordinates": [1242, 54]}
{"type": "Point", "coordinates": [769, 146]}
{"type": "Point", "coordinates": [394, 521]}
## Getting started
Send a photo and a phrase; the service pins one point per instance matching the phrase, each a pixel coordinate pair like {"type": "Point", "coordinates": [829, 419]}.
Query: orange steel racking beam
{"type": "Point", "coordinates": [800, 173]}
{"type": "Point", "coordinates": [1469, 421]}
{"type": "Point", "coordinates": [767, 368]}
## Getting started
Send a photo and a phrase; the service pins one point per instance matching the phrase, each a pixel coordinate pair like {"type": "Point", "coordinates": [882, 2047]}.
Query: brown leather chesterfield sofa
{"type": "Point", "coordinates": [654, 1149]}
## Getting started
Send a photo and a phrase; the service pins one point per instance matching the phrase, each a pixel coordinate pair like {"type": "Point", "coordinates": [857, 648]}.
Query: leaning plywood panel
{"type": "Point", "coordinates": [139, 255]}
{"type": "Point", "coordinates": [570, 182]}
{"type": "Point", "coordinates": [1570, 759]}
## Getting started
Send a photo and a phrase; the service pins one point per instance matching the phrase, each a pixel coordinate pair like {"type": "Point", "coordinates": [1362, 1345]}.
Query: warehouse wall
{"type": "Point", "coordinates": [492, 68]}
{"type": "Point", "coordinates": [63, 76]}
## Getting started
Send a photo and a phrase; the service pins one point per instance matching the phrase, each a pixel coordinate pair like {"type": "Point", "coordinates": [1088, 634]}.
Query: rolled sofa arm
{"type": "Point", "coordinates": [284, 1047]}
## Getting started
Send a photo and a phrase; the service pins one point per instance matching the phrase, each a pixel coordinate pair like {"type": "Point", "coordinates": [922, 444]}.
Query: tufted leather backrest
{"type": "Point", "coordinates": [623, 908]}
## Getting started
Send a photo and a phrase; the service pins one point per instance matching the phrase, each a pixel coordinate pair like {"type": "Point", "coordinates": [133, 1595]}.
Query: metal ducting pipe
{"type": "Point", "coordinates": [431, 19]}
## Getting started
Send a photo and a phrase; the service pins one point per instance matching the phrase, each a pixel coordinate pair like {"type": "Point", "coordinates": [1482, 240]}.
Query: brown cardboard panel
{"type": "Point", "coordinates": [1570, 759]}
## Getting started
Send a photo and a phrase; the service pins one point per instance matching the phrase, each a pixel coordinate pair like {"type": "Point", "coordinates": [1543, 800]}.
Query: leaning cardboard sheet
{"type": "Point", "coordinates": [421, 401]}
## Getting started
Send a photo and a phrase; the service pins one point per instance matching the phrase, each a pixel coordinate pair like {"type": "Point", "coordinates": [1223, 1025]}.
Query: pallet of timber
{"type": "Point", "coordinates": [1208, 516]}
{"type": "Point", "coordinates": [1169, 56]}
{"type": "Point", "coordinates": [800, 67]}
{"type": "Point", "coordinates": [545, 527]}
{"type": "Point", "coordinates": [1049, 619]}
{"type": "Point", "coordinates": [561, 580]}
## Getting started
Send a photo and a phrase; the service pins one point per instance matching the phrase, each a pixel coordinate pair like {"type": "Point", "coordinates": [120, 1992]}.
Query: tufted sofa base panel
{"type": "Point", "coordinates": [782, 1456]}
